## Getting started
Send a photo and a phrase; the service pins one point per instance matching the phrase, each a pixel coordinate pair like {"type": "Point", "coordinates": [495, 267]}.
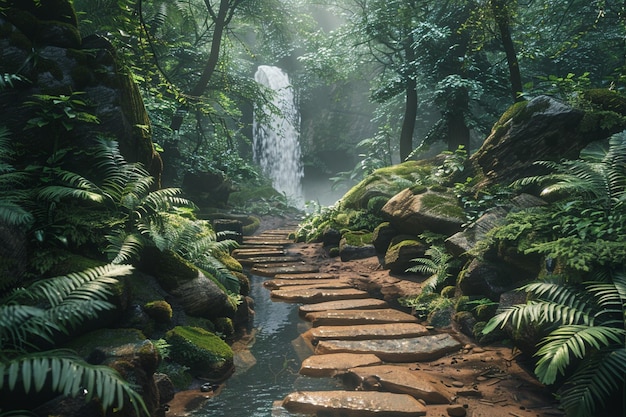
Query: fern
{"type": "Point", "coordinates": [42, 310]}
{"type": "Point", "coordinates": [584, 322]}
{"type": "Point", "coordinates": [436, 267]}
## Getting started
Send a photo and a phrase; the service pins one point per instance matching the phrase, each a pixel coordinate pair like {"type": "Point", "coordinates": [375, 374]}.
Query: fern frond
{"type": "Point", "coordinates": [558, 347]}
{"type": "Point", "coordinates": [98, 280]}
{"type": "Point", "coordinates": [20, 323]}
{"type": "Point", "coordinates": [123, 247]}
{"type": "Point", "coordinates": [71, 376]}
{"type": "Point", "coordinates": [14, 214]}
{"type": "Point", "coordinates": [596, 379]}
{"type": "Point", "coordinates": [216, 269]}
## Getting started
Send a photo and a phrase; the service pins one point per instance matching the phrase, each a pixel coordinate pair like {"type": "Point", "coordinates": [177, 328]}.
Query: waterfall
{"type": "Point", "coordinates": [276, 144]}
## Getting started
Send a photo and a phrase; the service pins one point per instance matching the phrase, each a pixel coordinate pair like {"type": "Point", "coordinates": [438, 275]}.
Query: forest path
{"type": "Point", "coordinates": [389, 363]}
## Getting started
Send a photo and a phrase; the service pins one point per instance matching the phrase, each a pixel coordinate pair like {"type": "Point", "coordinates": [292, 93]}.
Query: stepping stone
{"type": "Point", "coordinates": [415, 349]}
{"type": "Point", "coordinates": [336, 363]}
{"type": "Point", "coordinates": [353, 404]}
{"type": "Point", "coordinates": [309, 275]}
{"type": "Point", "coordinates": [271, 271]}
{"type": "Point", "coordinates": [362, 304]}
{"type": "Point", "coordinates": [253, 253]}
{"type": "Point", "coordinates": [267, 241]}
{"type": "Point", "coordinates": [400, 380]}
{"type": "Point", "coordinates": [317, 295]}
{"type": "Point", "coordinates": [261, 247]}
{"type": "Point", "coordinates": [269, 260]}
{"type": "Point", "coordinates": [361, 316]}
{"type": "Point", "coordinates": [294, 284]}
{"type": "Point", "coordinates": [365, 332]}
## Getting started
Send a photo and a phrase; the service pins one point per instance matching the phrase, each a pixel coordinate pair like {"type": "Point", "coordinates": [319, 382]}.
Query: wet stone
{"type": "Point", "coordinates": [307, 275]}
{"type": "Point", "coordinates": [354, 317]}
{"type": "Point", "coordinates": [335, 363]}
{"type": "Point", "coordinates": [366, 331]}
{"type": "Point", "coordinates": [295, 284]}
{"type": "Point", "coordinates": [255, 253]}
{"type": "Point", "coordinates": [353, 404]}
{"type": "Point", "coordinates": [424, 348]}
{"type": "Point", "coordinates": [456, 411]}
{"type": "Point", "coordinates": [316, 295]}
{"type": "Point", "coordinates": [269, 260]}
{"type": "Point", "coordinates": [357, 304]}
{"type": "Point", "coordinates": [271, 271]}
{"type": "Point", "coordinates": [401, 380]}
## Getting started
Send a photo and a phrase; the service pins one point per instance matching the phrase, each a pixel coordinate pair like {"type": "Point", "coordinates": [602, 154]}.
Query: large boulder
{"type": "Point", "coordinates": [540, 129]}
{"type": "Point", "coordinates": [491, 279]}
{"type": "Point", "coordinates": [418, 209]}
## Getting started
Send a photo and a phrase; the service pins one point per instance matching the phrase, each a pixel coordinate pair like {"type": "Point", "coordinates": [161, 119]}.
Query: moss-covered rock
{"type": "Point", "coordinates": [384, 183]}
{"type": "Point", "coordinates": [204, 353]}
{"type": "Point", "coordinates": [401, 252]}
{"type": "Point", "coordinates": [159, 310]}
{"type": "Point", "coordinates": [229, 262]}
{"type": "Point", "coordinates": [435, 211]}
{"type": "Point", "coordinates": [356, 245]}
{"type": "Point", "coordinates": [169, 268]}
{"type": "Point", "coordinates": [382, 236]}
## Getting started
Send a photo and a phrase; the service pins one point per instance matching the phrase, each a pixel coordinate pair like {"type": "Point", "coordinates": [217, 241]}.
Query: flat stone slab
{"type": "Point", "coordinates": [270, 260]}
{"type": "Point", "coordinates": [254, 253]}
{"type": "Point", "coordinates": [415, 349]}
{"type": "Point", "coordinates": [353, 404]}
{"type": "Point", "coordinates": [400, 380]}
{"type": "Point", "coordinates": [307, 275]}
{"type": "Point", "coordinates": [266, 240]}
{"type": "Point", "coordinates": [336, 363]}
{"type": "Point", "coordinates": [366, 331]}
{"type": "Point", "coordinates": [357, 304]}
{"type": "Point", "coordinates": [250, 246]}
{"type": "Point", "coordinates": [360, 316]}
{"type": "Point", "coordinates": [295, 284]}
{"type": "Point", "coordinates": [317, 295]}
{"type": "Point", "coordinates": [271, 271]}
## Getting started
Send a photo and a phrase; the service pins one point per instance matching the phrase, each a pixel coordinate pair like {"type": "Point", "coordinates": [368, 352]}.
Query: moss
{"type": "Point", "coordinates": [200, 322]}
{"type": "Point", "coordinates": [86, 344]}
{"type": "Point", "coordinates": [463, 304]}
{"type": "Point", "coordinates": [359, 238]}
{"type": "Point", "coordinates": [224, 325]}
{"type": "Point", "coordinates": [334, 252]}
{"type": "Point", "coordinates": [385, 182]}
{"type": "Point", "coordinates": [159, 310]}
{"type": "Point", "coordinates": [607, 100]}
{"type": "Point", "coordinates": [443, 204]}
{"type": "Point", "coordinates": [418, 189]}
{"type": "Point", "coordinates": [251, 225]}
{"type": "Point", "coordinates": [169, 268]}
{"type": "Point", "coordinates": [244, 283]}
{"type": "Point", "coordinates": [229, 262]}
{"type": "Point", "coordinates": [448, 291]}
{"type": "Point", "coordinates": [205, 353]}
{"type": "Point", "coordinates": [511, 113]}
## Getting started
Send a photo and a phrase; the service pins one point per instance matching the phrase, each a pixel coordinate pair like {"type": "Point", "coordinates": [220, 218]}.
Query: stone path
{"type": "Point", "coordinates": [352, 336]}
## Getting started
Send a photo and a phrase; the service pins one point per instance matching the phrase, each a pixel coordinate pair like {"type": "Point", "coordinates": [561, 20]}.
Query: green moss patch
{"type": "Point", "coordinates": [203, 352]}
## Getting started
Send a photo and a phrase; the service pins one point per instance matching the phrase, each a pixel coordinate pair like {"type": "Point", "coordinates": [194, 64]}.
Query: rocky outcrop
{"type": "Point", "coordinates": [85, 74]}
{"type": "Point", "coordinates": [540, 129]}
{"type": "Point", "coordinates": [415, 210]}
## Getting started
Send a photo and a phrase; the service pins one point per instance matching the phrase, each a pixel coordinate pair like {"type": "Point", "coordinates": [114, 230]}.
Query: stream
{"type": "Point", "coordinates": [252, 392]}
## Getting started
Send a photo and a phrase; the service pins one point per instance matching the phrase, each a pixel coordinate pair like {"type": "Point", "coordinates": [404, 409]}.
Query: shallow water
{"type": "Point", "coordinates": [252, 392]}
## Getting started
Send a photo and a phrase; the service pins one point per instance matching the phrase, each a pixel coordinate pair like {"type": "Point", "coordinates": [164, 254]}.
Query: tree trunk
{"type": "Point", "coordinates": [221, 20]}
{"type": "Point", "coordinates": [502, 17]}
{"type": "Point", "coordinates": [410, 107]}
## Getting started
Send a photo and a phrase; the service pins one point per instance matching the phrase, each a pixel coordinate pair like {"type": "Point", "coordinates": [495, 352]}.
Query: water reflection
{"type": "Point", "coordinates": [252, 393]}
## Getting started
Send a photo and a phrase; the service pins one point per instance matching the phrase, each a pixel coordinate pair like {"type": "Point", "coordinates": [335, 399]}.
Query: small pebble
{"type": "Point", "coordinates": [458, 384]}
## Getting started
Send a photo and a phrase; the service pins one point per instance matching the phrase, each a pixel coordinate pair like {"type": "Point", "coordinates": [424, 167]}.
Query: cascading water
{"type": "Point", "coordinates": [276, 144]}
